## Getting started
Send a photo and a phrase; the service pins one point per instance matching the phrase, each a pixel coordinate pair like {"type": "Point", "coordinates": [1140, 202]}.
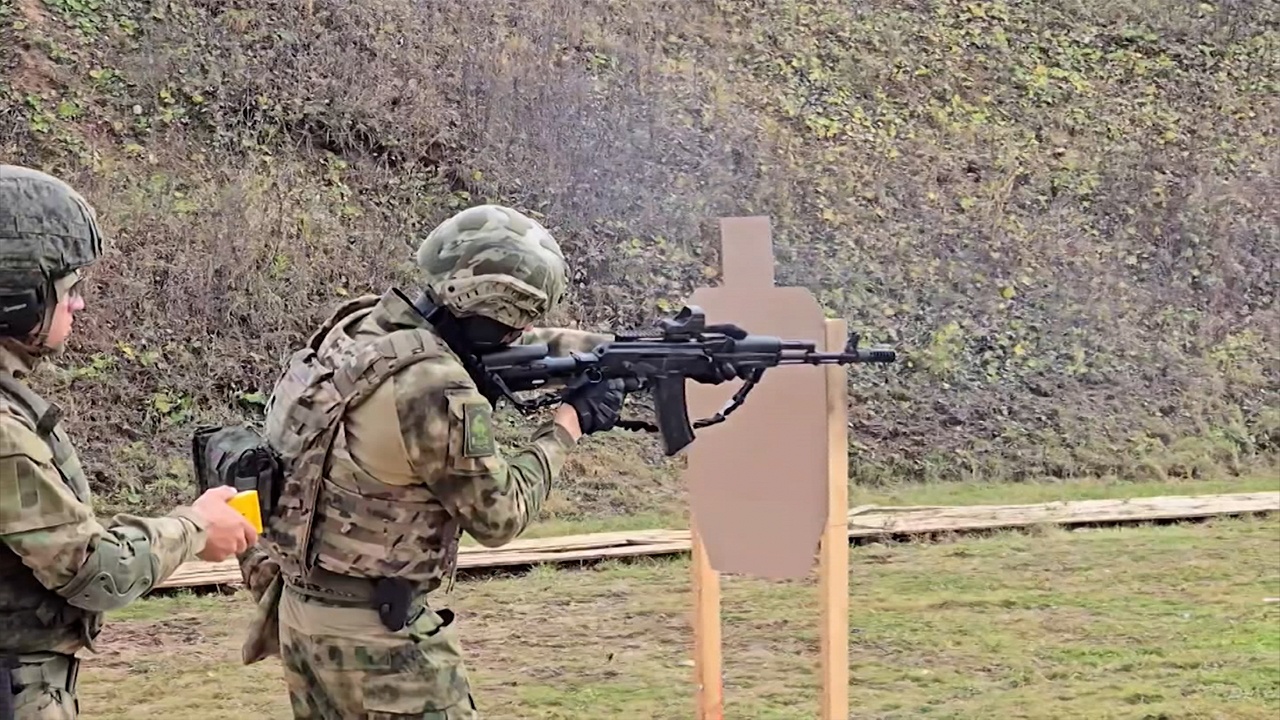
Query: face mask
{"type": "Point", "coordinates": [487, 335]}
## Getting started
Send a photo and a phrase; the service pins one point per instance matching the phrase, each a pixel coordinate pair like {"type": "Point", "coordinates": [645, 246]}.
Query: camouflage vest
{"type": "Point", "coordinates": [331, 515]}
{"type": "Point", "coordinates": [32, 617]}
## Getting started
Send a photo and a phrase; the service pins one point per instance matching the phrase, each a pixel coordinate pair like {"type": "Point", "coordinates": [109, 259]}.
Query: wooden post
{"type": "Point", "coordinates": [833, 564]}
{"type": "Point", "coordinates": [708, 665]}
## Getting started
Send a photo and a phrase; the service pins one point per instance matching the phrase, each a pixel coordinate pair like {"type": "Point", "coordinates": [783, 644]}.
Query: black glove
{"type": "Point", "coordinates": [599, 404]}
{"type": "Point", "coordinates": [714, 374]}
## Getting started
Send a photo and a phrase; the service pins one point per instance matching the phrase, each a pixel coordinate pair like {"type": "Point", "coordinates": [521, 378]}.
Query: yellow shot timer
{"type": "Point", "coordinates": [246, 503]}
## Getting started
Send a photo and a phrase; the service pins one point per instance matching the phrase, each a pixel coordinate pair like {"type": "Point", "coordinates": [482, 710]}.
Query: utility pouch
{"type": "Point", "coordinates": [238, 456]}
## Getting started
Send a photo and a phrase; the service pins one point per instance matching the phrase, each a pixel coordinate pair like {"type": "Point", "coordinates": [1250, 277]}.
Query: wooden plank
{"type": "Point", "coordinates": [583, 542]}
{"type": "Point", "coordinates": [989, 517]}
{"type": "Point", "coordinates": [833, 560]}
{"type": "Point", "coordinates": [583, 555]}
{"type": "Point", "coordinates": [227, 572]}
{"type": "Point", "coordinates": [864, 522]}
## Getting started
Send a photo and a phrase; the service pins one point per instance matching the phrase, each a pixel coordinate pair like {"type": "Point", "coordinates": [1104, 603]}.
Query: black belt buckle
{"type": "Point", "coordinates": [392, 597]}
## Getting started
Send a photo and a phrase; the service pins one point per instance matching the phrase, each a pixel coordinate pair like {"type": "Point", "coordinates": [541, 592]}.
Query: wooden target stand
{"type": "Point", "coordinates": [769, 487]}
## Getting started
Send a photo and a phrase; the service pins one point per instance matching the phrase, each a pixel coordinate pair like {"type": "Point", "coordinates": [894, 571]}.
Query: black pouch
{"type": "Point", "coordinates": [238, 456]}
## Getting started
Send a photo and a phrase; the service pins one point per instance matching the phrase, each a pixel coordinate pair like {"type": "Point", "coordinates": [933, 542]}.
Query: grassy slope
{"type": "Point", "coordinates": [1062, 213]}
{"type": "Point", "coordinates": [1136, 623]}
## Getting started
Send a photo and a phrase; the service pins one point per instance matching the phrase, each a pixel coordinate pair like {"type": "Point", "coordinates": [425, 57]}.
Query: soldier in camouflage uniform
{"type": "Point", "coordinates": [389, 450]}
{"type": "Point", "coordinates": [60, 568]}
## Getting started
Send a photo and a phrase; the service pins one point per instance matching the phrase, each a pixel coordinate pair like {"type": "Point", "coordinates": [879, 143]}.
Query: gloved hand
{"type": "Point", "coordinates": [715, 374]}
{"type": "Point", "coordinates": [257, 570]}
{"type": "Point", "coordinates": [598, 404]}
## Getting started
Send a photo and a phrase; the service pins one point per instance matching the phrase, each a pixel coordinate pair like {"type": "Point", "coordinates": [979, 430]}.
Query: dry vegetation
{"type": "Point", "coordinates": [1065, 214]}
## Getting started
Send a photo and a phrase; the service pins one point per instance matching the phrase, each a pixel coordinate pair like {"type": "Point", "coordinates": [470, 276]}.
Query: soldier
{"type": "Point", "coordinates": [389, 459]}
{"type": "Point", "coordinates": [60, 569]}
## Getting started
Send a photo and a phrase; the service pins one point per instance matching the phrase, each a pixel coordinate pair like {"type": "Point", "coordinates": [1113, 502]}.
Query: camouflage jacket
{"type": "Point", "coordinates": [413, 464]}
{"type": "Point", "coordinates": [60, 568]}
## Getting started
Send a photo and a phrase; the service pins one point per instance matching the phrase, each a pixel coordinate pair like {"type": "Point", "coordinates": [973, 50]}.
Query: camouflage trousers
{"type": "Point", "coordinates": [45, 691]}
{"type": "Point", "coordinates": [341, 663]}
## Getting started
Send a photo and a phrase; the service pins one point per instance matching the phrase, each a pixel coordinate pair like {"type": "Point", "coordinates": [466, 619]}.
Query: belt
{"type": "Point", "coordinates": [44, 669]}
{"type": "Point", "coordinates": [333, 589]}
{"type": "Point", "coordinates": [395, 599]}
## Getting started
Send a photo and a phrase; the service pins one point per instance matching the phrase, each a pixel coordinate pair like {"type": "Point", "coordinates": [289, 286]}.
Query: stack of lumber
{"type": "Point", "coordinates": [867, 522]}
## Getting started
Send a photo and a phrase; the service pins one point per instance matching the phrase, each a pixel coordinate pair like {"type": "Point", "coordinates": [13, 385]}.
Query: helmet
{"type": "Point", "coordinates": [47, 233]}
{"type": "Point", "coordinates": [494, 262]}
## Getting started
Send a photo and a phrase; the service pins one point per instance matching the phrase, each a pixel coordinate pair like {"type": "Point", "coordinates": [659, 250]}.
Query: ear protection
{"type": "Point", "coordinates": [21, 311]}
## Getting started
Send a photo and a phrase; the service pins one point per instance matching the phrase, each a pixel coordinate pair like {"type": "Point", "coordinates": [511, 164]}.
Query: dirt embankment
{"type": "Point", "coordinates": [1064, 217]}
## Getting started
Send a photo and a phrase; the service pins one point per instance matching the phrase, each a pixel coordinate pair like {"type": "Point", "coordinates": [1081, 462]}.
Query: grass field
{"type": "Point", "coordinates": [1140, 622]}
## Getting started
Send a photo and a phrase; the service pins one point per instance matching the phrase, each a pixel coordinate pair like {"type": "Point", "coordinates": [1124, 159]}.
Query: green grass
{"type": "Point", "coordinates": [1139, 622]}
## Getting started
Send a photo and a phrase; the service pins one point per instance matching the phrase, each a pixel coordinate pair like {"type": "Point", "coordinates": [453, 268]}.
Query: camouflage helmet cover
{"type": "Point", "coordinates": [496, 262]}
{"type": "Point", "coordinates": [47, 229]}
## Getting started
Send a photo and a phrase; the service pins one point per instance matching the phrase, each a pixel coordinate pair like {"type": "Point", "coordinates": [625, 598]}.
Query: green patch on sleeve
{"type": "Point", "coordinates": [477, 441]}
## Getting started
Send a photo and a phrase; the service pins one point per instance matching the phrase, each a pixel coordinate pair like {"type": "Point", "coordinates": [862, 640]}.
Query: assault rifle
{"type": "Point", "coordinates": [685, 347]}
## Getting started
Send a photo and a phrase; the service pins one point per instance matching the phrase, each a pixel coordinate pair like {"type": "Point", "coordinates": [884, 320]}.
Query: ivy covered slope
{"type": "Point", "coordinates": [1064, 214]}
